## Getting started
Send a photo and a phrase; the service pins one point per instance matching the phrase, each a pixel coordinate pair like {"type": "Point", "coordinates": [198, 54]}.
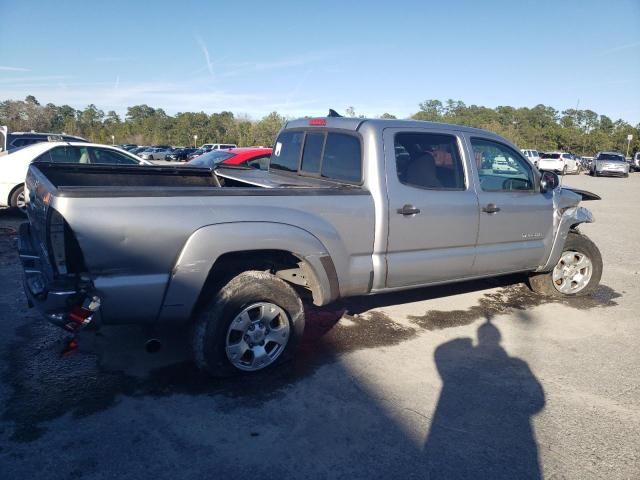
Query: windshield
{"type": "Point", "coordinates": [555, 156]}
{"type": "Point", "coordinates": [210, 159]}
{"type": "Point", "coordinates": [611, 156]}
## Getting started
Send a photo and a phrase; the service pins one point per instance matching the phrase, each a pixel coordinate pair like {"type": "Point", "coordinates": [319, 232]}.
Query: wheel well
{"type": "Point", "coordinates": [13, 190]}
{"type": "Point", "coordinates": [281, 263]}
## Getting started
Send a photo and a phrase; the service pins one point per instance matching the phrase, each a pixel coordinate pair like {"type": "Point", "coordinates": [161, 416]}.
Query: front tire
{"type": "Point", "coordinates": [576, 274]}
{"type": "Point", "coordinates": [253, 322]}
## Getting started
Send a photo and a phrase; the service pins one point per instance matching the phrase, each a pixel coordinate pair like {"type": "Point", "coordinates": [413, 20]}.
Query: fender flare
{"type": "Point", "coordinates": [570, 218]}
{"type": "Point", "coordinates": [203, 248]}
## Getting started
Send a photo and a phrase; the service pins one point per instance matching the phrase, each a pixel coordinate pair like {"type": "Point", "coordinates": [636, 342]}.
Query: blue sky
{"type": "Point", "coordinates": [302, 57]}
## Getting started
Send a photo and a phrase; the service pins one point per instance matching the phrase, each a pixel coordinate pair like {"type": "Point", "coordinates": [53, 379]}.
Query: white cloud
{"type": "Point", "coordinates": [207, 57]}
{"type": "Point", "coordinates": [619, 48]}
{"type": "Point", "coordinates": [4, 68]}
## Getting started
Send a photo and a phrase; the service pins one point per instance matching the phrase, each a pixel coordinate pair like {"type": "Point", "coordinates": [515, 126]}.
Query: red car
{"type": "Point", "coordinates": [256, 157]}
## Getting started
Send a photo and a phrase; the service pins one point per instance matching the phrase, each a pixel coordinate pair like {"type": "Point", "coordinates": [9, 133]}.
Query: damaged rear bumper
{"type": "Point", "coordinates": [65, 301]}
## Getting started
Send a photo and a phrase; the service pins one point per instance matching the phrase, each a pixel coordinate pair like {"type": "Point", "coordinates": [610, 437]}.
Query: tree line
{"type": "Point", "coordinates": [583, 132]}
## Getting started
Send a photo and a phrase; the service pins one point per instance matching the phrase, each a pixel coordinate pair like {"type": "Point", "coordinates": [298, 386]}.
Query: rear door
{"type": "Point", "coordinates": [433, 208]}
{"type": "Point", "coordinates": [516, 220]}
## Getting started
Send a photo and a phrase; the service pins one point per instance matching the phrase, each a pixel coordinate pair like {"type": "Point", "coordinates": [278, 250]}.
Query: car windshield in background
{"type": "Point", "coordinates": [555, 156]}
{"type": "Point", "coordinates": [611, 157]}
{"type": "Point", "coordinates": [210, 159]}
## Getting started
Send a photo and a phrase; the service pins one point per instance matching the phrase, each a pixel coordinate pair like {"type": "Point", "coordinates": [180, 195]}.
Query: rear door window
{"type": "Point", "coordinates": [429, 160]}
{"type": "Point", "coordinates": [107, 156]}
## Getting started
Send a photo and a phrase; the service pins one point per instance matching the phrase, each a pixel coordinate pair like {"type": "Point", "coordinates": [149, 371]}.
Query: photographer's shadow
{"type": "Point", "coordinates": [482, 426]}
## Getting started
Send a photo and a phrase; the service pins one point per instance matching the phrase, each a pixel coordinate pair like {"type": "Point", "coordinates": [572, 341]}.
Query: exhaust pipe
{"type": "Point", "coordinates": [153, 345]}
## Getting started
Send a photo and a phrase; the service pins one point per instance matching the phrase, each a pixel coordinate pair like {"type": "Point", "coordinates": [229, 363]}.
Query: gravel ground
{"type": "Point", "coordinates": [477, 380]}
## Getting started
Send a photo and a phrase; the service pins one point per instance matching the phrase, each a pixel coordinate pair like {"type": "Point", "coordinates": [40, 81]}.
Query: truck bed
{"type": "Point", "coordinates": [130, 227]}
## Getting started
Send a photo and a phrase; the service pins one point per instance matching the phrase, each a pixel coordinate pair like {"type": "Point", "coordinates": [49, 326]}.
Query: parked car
{"type": "Point", "coordinates": [248, 156]}
{"type": "Point", "coordinates": [635, 163]}
{"type": "Point", "coordinates": [532, 155]}
{"type": "Point", "coordinates": [127, 146]}
{"type": "Point", "coordinates": [180, 154]}
{"type": "Point", "coordinates": [559, 162]}
{"type": "Point", "coordinates": [197, 153]}
{"type": "Point", "coordinates": [611, 164]}
{"type": "Point", "coordinates": [155, 154]}
{"type": "Point", "coordinates": [136, 150]}
{"type": "Point", "coordinates": [13, 167]}
{"type": "Point", "coordinates": [218, 146]}
{"type": "Point", "coordinates": [231, 255]}
{"type": "Point", "coordinates": [10, 141]}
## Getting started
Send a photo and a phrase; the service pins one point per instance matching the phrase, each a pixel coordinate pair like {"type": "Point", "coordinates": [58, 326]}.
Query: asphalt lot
{"type": "Point", "coordinates": [477, 380]}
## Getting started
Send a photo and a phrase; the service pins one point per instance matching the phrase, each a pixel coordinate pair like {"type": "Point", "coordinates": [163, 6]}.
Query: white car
{"type": "Point", "coordinates": [155, 154]}
{"type": "Point", "coordinates": [13, 167]}
{"type": "Point", "coordinates": [218, 146]}
{"type": "Point", "coordinates": [532, 155]}
{"type": "Point", "coordinates": [559, 162]}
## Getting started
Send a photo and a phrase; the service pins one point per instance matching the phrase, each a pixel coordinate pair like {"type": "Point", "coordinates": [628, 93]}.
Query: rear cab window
{"type": "Point", "coordinates": [327, 154]}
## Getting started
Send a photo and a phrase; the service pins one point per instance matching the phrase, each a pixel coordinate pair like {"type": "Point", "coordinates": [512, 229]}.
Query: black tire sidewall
{"type": "Point", "coordinates": [13, 201]}
{"type": "Point", "coordinates": [213, 323]}
{"type": "Point", "coordinates": [543, 283]}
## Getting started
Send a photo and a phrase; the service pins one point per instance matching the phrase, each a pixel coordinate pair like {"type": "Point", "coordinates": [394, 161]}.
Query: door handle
{"type": "Point", "coordinates": [408, 210]}
{"type": "Point", "coordinates": [491, 208]}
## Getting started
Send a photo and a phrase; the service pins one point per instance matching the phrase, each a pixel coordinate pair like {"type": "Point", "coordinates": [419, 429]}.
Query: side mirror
{"type": "Point", "coordinates": [549, 181]}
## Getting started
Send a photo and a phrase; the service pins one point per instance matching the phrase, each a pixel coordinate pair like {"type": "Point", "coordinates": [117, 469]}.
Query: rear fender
{"type": "Point", "coordinates": [207, 244]}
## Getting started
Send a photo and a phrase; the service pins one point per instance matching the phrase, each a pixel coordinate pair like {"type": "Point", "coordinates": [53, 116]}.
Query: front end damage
{"type": "Point", "coordinates": [566, 217]}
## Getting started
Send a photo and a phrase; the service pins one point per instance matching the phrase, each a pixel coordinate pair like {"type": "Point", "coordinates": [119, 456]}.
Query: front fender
{"type": "Point", "coordinates": [571, 217]}
{"type": "Point", "coordinates": [207, 244]}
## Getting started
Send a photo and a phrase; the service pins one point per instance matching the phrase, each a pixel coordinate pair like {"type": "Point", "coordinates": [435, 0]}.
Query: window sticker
{"type": "Point", "coordinates": [278, 148]}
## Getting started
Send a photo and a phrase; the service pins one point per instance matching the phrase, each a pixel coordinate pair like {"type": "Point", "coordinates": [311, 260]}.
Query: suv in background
{"type": "Point", "coordinates": [532, 155]}
{"type": "Point", "coordinates": [218, 146]}
{"type": "Point", "coordinates": [559, 162]}
{"type": "Point", "coordinates": [13, 140]}
{"type": "Point", "coordinates": [610, 163]}
{"type": "Point", "coordinates": [635, 162]}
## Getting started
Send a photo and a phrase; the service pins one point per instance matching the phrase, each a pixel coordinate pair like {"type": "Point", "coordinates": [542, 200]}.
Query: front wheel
{"type": "Point", "coordinates": [577, 273]}
{"type": "Point", "coordinates": [253, 322]}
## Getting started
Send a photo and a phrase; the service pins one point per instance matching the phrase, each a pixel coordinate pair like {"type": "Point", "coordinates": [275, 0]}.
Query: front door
{"type": "Point", "coordinates": [516, 220]}
{"type": "Point", "coordinates": [433, 208]}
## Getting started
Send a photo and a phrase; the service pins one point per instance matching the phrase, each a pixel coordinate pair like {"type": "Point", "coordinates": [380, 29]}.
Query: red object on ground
{"type": "Point", "coordinates": [71, 347]}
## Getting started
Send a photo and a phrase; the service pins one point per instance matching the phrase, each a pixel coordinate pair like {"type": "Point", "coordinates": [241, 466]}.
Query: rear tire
{"type": "Point", "coordinates": [583, 247]}
{"type": "Point", "coordinates": [224, 349]}
{"type": "Point", "coordinates": [18, 200]}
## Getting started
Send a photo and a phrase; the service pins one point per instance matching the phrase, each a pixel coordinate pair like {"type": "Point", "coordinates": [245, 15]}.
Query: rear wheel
{"type": "Point", "coordinates": [18, 199]}
{"type": "Point", "coordinates": [253, 322]}
{"type": "Point", "coordinates": [577, 273]}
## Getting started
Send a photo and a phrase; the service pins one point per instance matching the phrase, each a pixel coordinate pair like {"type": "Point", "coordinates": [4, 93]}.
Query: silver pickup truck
{"type": "Point", "coordinates": [347, 207]}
